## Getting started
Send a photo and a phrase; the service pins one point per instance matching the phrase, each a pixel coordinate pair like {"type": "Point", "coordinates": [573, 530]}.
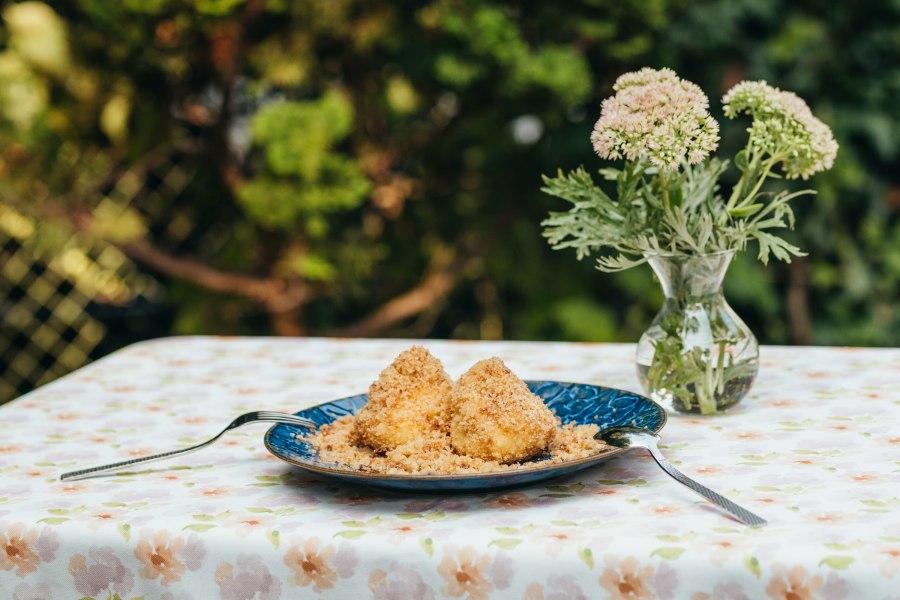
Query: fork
{"type": "Point", "coordinates": [637, 437]}
{"type": "Point", "coordinates": [250, 417]}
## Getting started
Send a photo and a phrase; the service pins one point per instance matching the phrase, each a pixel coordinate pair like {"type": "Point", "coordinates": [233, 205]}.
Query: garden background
{"type": "Point", "coordinates": [372, 168]}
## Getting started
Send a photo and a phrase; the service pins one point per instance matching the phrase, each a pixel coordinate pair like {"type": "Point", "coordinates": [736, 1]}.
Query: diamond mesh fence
{"type": "Point", "coordinates": [63, 307]}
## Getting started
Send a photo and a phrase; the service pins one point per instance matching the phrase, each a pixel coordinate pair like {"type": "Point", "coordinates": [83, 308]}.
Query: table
{"type": "Point", "coordinates": [813, 448]}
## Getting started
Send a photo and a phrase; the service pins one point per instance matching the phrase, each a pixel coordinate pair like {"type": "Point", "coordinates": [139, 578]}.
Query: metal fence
{"type": "Point", "coordinates": [62, 308]}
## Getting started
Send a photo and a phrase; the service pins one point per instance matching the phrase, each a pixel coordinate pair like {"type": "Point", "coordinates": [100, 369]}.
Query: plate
{"type": "Point", "coordinates": [580, 403]}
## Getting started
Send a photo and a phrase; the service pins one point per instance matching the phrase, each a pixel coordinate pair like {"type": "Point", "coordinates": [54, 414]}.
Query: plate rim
{"type": "Point", "coordinates": [438, 477]}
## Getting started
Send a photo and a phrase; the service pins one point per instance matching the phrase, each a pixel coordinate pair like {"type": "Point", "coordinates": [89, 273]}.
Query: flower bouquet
{"type": "Point", "coordinates": [667, 209]}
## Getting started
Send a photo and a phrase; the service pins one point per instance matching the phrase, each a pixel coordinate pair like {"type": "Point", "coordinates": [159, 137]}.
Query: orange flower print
{"type": "Point", "coordinates": [168, 557]}
{"type": "Point", "coordinates": [24, 549]}
{"type": "Point", "coordinates": [515, 501]}
{"type": "Point", "coordinates": [313, 563]}
{"type": "Point", "coordinates": [627, 581]}
{"type": "Point", "coordinates": [466, 574]}
{"type": "Point", "coordinates": [534, 591]}
{"type": "Point", "coordinates": [886, 557]}
{"type": "Point", "coordinates": [793, 584]}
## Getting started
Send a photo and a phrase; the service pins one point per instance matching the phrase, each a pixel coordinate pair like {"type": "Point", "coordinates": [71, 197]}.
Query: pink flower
{"type": "Point", "coordinates": [317, 564]}
{"type": "Point", "coordinates": [627, 579]}
{"type": "Point", "coordinates": [248, 579]}
{"type": "Point", "coordinates": [658, 116]}
{"type": "Point", "coordinates": [783, 127]}
{"type": "Point", "coordinates": [168, 557]}
{"type": "Point", "coordinates": [24, 549]}
{"type": "Point", "coordinates": [794, 584]}
{"type": "Point", "coordinates": [98, 571]}
{"type": "Point", "coordinates": [558, 587]}
{"type": "Point", "coordinates": [722, 591]}
{"type": "Point", "coordinates": [886, 557]}
{"type": "Point", "coordinates": [467, 573]}
{"type": "Point", "coordinates": [40, 591]}
{"type": "Point", "coordinates": [401, 582]}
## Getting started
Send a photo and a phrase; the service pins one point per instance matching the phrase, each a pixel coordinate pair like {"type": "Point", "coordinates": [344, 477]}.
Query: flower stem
{"type": "Point", "coordinates": [762, 178]}
{"type": "Point", "coordinates": [664, 187]}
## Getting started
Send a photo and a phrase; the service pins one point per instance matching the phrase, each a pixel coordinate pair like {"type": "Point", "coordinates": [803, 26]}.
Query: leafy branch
{"type": "Point", "coordinates": [660, 212]}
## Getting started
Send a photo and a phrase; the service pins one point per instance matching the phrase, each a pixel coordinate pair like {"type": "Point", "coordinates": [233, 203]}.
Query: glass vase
{"type": "Point", "coordinates": [697, 356]}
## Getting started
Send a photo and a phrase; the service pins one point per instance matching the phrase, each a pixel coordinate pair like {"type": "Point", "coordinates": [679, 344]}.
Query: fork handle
{"type": "Point", "coordinates": [84, 473]}
{"type": "Point", "coordinates": [739, 512]}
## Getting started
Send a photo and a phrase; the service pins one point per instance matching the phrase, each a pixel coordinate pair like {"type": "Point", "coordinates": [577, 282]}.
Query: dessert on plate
{"type": "Point", "coordinates": [407, 402]}
{"type": "Point", "coordinates": [417, 421]}
{"type": "Point", "coordinates": [494, 416]}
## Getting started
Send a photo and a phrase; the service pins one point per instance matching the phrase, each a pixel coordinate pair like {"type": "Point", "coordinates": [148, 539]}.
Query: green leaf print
{"type": "Point", "coordinates": [668, 552]}
{"type": "Point", "coordinates": [204, 518]}
{"type": "Point", "coordinates": [351, 534]}
{"type": "Point", "coordinates": [508, 530]}
{"type": "Point", "coordinates": [587, 557]}
{"type": "Point", "coordinates": [274, 537]}
{"type": "Point", "coordinates": [427, 545]}
{"type": "Point", "coordinates": [843, 547]}
{"type": "Point", "coordinates": [837, 562]}
{"type": "Point", "coordinates": [353, 523]}
{"type": "Point", "coordinates": [506, 543]}
{"type": "Point", "coordinates": [752, 565]}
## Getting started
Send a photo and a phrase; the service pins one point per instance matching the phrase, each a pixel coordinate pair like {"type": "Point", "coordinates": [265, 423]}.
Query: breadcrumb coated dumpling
{"type": "Point", "coordinates": [407, 402]}
{"type": "Point", "coordinates": [494, 416]}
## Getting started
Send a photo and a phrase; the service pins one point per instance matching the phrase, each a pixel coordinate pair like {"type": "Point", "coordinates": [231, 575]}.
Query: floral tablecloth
{"type": "Point", "coordinates": [814, 449]}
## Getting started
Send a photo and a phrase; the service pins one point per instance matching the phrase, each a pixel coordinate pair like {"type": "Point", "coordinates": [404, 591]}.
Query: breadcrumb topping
{"type": "Point", "coordinates": [417, 422]}
{"type": "Point", "coordinates": [408, 401]}
{"type": "Point", "coordinates": [433, 455]}
{"type": "Point", "coordinates": [494, 416]}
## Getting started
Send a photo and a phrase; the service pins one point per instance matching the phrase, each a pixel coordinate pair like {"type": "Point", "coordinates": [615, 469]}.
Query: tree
{"type": "Point", "coordinates": [373, 167]}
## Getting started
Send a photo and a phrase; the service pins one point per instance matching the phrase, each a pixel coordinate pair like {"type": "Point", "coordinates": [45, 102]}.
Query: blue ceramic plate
{"type": "Point", "coordinates": [572, 402]}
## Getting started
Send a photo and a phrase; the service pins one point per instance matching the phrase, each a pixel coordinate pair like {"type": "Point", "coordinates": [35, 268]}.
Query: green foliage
{"type": "Point", "coordinates": [361, 144]}
{"type": "Point", "coordinates": [303, 176]}
{"type": "Point", "coordinates": [684, 216]}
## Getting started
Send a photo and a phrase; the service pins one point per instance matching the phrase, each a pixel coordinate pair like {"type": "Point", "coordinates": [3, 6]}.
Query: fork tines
{"type": "Point", "coordinates": [265, 415]}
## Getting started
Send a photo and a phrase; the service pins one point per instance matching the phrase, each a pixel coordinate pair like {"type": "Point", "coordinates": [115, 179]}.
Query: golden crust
{"type": "Point", "coordinates": [433, 455]}
{"type": "Point", "coordinates": [407, 402]}
{"type": "Point", "coordinates": [417, 422]}
{"type": "Point", "coordinates": [496, 417]}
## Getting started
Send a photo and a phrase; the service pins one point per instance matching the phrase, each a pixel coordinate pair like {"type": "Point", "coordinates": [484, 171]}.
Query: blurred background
{"type": "Point", "coordinates": [372, 168]}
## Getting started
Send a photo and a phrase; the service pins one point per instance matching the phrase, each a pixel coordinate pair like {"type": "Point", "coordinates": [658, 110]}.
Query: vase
{"type": "Point", "coordinates": [697, 356]}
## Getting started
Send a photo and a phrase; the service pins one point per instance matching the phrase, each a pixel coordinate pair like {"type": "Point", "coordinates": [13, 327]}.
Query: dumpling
{"type": "Point", "coordinates": [494, 416]}
{"type": "Point", "coordinates": [408, 401]}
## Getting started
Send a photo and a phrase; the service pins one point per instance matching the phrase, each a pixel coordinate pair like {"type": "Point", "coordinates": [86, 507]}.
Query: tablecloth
{"type": "Point", "coordinates": [813, 448]}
